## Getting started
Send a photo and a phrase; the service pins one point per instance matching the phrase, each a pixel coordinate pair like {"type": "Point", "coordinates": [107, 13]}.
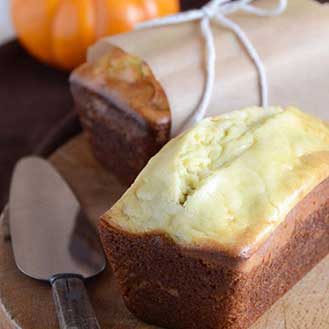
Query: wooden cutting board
{"type": "Point", "coordinates": [27, 304]}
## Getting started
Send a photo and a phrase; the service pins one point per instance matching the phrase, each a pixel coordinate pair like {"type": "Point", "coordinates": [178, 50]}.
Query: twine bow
{"type": "Point", "coordinates": [217, 11]}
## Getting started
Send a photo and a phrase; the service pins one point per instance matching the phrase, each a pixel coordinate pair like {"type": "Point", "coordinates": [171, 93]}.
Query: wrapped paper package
{"type": "Point", "coordinates": [137, 89]}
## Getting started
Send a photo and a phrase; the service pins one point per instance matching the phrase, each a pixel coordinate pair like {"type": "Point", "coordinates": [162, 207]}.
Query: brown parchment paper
{"type": "Point", "coordinates": [293, 46]}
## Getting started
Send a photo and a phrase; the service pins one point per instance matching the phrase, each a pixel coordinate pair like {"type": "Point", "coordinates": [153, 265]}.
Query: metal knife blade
{"type": "Point", "coordinates": [49, 231]}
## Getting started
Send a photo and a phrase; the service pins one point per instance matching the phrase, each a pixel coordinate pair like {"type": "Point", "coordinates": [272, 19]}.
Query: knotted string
{"type": "Point", "coordinates": [217, 11]}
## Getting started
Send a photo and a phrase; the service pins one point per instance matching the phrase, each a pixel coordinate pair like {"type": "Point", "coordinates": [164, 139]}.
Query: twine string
{"type": "Point", "coordinates": [217, 11]}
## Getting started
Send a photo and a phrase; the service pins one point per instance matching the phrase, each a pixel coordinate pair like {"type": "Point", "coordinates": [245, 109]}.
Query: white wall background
{"type": "Point", "coordinates": [6, 29]}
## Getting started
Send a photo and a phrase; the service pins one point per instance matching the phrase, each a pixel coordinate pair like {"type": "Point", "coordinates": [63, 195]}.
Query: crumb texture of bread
{"type": "Point", "coordinates": [229, 181]}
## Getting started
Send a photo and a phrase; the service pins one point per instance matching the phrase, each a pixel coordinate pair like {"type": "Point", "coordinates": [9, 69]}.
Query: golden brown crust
{"type": "Point", "coordinates": [176, 287]}
{"type": "Point", "coordinates": [124, 111]}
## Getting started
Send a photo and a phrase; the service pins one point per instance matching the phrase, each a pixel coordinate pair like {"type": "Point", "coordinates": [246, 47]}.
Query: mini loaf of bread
{"type": "Point", "coordinates": [223, 220]}
{"type": "Point", "coordinates": [123, 110]}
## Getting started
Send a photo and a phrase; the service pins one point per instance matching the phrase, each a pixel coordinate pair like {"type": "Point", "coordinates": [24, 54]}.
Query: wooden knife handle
{"type": "Point", "coordinates": [73, 307]}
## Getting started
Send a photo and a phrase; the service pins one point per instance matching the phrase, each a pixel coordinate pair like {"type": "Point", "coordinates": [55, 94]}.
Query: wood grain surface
{"type": "Point", "coordinates": [27, 304]}
{"type": "Point", "coordinates": [72, 304]}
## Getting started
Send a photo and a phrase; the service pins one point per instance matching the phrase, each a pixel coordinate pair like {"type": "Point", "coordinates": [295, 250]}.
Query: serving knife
{"type": "Point", "coordinates": [53, 240]}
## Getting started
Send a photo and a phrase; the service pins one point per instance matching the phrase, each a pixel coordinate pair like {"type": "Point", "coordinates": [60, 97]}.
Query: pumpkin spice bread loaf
{"type": "Point", "coordinates": [124, 111]}
{"type": "Point", "coordinates": [223, 220]}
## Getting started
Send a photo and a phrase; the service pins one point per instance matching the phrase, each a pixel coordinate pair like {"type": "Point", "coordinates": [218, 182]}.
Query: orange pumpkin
{"type": "Point", "coordinates": [58, 32]}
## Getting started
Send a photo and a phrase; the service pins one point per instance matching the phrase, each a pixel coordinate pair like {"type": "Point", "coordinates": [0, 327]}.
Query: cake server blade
{"type": "Point", "coordinates": [53, 240]}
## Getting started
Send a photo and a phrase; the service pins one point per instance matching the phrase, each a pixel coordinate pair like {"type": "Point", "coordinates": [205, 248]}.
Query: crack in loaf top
{"type": "Point", "coordinates": [229, 181]}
